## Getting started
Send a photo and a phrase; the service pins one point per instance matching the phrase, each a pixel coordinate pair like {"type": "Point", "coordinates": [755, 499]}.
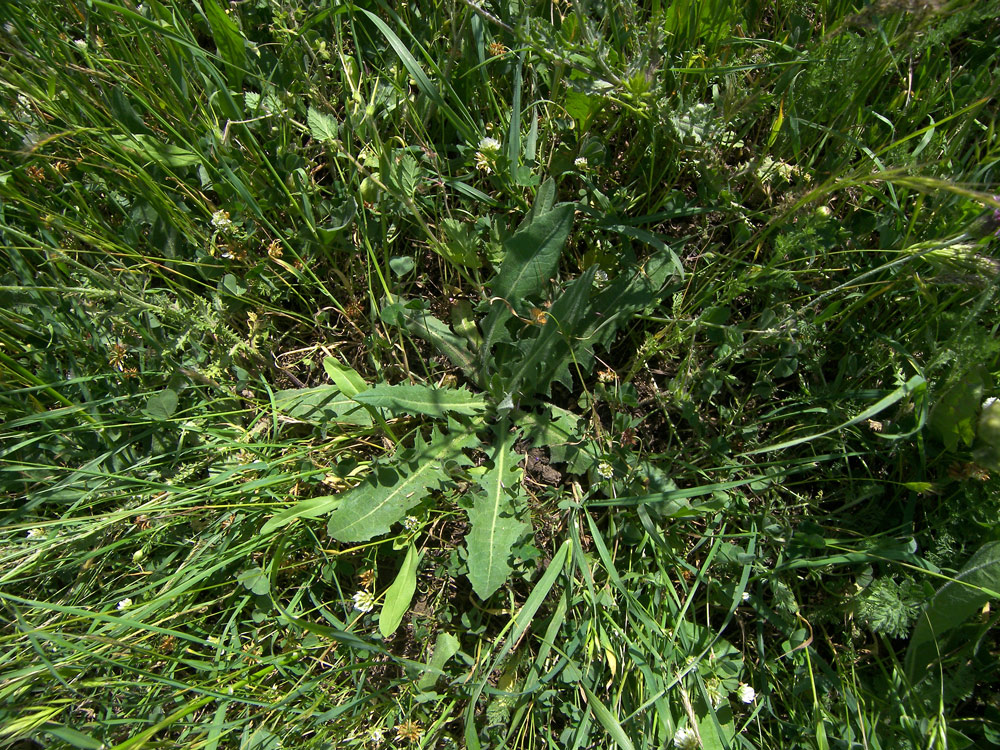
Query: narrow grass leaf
{"type": "Point", "coordinates": [424, 84]}
{"type": "Point", "coordinates": [912, 385]}
{"type": "Point", "coordinates": [607, 720]}
{"type": "Point", "coordinates": [517, 627]}
{"type": "Point", "coordinates": [74, 737]}
{"type": "Point", "coordinates": [514, 126]}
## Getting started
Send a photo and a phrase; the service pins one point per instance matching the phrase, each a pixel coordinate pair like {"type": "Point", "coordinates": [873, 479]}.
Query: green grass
{"type": "Point", "coordinates": [278, 326]}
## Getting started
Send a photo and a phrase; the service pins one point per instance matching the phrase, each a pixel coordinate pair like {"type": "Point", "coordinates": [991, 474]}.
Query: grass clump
{"type": "Point", "coordinates": [485, 376]}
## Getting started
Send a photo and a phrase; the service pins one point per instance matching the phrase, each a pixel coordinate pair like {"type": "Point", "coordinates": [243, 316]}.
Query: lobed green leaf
{"type": "Point", "coordinates": [496, 517]}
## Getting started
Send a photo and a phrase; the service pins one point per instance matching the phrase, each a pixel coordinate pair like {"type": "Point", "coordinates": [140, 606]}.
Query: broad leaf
{"type": "Point", "coordinates": [400, 265]}
{"type": "Point", "coordinates": [399, 595]}
{"type": "Point", "coordinates": [162, 405]}
{"type": "Point", "coordinates": [953, 416]}
{"type": "Point", "coordinates": [255, 580]}
{"type": "Point", "coordinates": [650, 239]}
{"type": "Point", "coordinates": [977, 583]}
{"type": "Point", "coordinates": [229, 40]}
{"type": "Point", "coordinates": [164, 154]}
{"type": "Point", "coordinates": [405, 399]}
{"type": "Point", "coordinates": [344, 377]}
{"type": "Point", "coordinates": [312, 507]}
{"type": "Point", "coordinates": [321, 405]}
{"type": "Point", "coordinates": [532, 255]}
{"type": "Point", "coordinates": [445, 647]}
{"type": "Point", "coordinates": [614, 307]}
{"type": "Point", "coordinates": [384, 497]}
{"type": "Point", "coordinates": [322, 127]}
{"type": "Point", "coordinates": [545, 199]}
{"type": "Point", "coordinates": [496, 518]}
{"type": "Point", "coordinates": [415, 319]}
{"type": "Point", "coordinates": [554, 427]}
{"type": "Point", "coordinates": [464, 323]}
{"type": "Point", "coordinates": [459, 246]}
{"type": "Point", "coordinates": [494, 332]}
{"type": "Point", "coordinates": [547, 357]}
{"type": "Point", "coordinates": [987, 448]}
{"type": "Point", "coordinates": [338, 219]}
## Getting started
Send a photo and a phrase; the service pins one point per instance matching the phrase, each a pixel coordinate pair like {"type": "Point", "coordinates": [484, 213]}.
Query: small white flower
{"type": "Point", "coordinates": [364, 601]}
{"type": "Point", "coordinates": [581, 163]}
{"type": "Point", "coordinates": [80, 44]}
{"type": "Point", "coordinates": [745, 693]}
{"type": "Point", "coordinates": [376, 736]}
{"type": "Point", "coordinates": [745, 596]}
{"type": "Point", "coordinates": [489, 146]}
{"type": "Point", "coordinates": [411, 522]}
{"type": "Point", "coordinates": [600, 278]}
{"type": "Point", "coordinates": [36, 533]}
{"type": "Point", "coordinates": [685, 738]}
{"type": "Point", "coordinates": [221, 220]}
{"type": "Point", "coordinates": [124, 604]}
{"type": "Point", "coordinates": [486, 156]}
{"type": "Point", "coordinates": [606, 470]}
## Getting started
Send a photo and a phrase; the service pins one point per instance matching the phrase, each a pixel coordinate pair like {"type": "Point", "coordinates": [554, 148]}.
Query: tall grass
{"type": "Point", "coordinates": [772, 476]}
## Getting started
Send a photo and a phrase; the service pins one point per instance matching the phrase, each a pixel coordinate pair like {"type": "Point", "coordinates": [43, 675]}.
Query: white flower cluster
{"type": "Point", "coordinates": [221, 220]}
{"type": "Point", "coordinates": [364, 601]}
{"type": "Point", "coordinates": [410, 523]}
{"type": "Point", "coordinates": [686, 738]}
{"type": "Point", "coordinates": [486, 156]}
